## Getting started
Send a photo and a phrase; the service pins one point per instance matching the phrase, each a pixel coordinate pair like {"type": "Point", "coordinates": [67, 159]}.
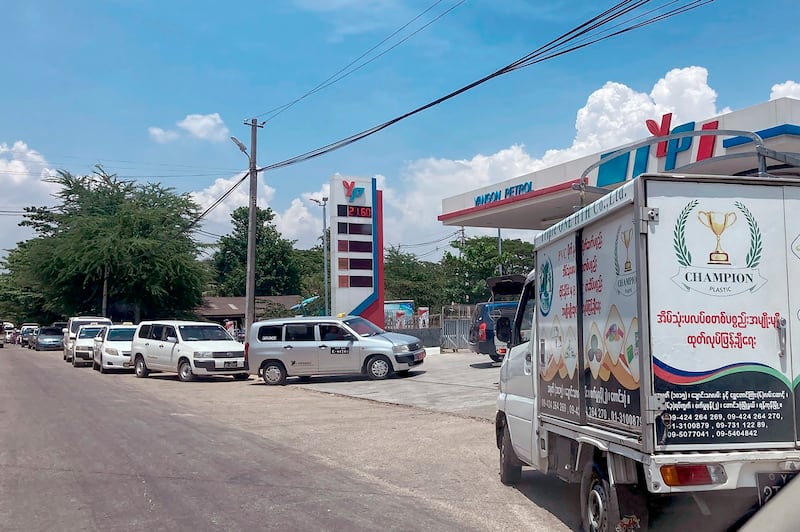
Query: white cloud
{"type": "Point", "coordinates": [22, 172]}
{"type": "Point", "coordinates": [353, 17]}
{"type": "Point", "coordinates": [790, 89]}
{"type": "Point", "coordinates": [162, 136]}
{"type": "Point", "coordinates": [206, 127]}
{"type": "Point", "coordinates": [218, 221]}
{"type": "Point", "coordinates": [613, 115]}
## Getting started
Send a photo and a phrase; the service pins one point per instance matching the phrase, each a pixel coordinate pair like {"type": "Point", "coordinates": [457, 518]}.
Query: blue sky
{"type": "Point", "coordinates": [154, 89]}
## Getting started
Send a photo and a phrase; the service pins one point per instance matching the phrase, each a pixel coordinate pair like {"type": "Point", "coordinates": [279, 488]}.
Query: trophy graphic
{"type": "Point", "coordinates": [717, 222]}
{"type": "Point", "coordinates": [626, 240]}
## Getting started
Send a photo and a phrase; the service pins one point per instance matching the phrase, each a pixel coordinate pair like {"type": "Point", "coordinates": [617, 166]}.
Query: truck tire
{"type": "Point", "coordinates": [140, 368]}
{"type": "Point", "coordinates": [599, 507]}
{"type": "Point", "coordinates": [378, 368]}
{"type": "Point", "coordinates": [273, 373]}
{"type": "Point", "coordinates": [510, 465]}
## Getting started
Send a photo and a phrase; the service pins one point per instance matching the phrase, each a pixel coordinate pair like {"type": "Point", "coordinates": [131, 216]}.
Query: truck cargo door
{"type": "Point", "coordinates": [719, 292]}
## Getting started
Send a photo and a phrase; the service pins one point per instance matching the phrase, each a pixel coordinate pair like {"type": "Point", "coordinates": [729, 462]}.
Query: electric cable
{"type": "Point", "coordinates": [336, 77]}
{"type": "Point", "coordinates": [554, 48]}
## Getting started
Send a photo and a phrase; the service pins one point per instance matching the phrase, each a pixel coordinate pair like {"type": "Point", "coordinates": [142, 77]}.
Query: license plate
{"type": "Point", "coordinates": [231, 364]}
{"type": "Point", "coordinates": [769, 484]}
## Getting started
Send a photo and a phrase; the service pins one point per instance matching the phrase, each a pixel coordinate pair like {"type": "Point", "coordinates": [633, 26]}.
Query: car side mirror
{"type": "Point", "coordinates": [64, 330]}
{"type": "Point", "coordinates": [502, 329]}
{"type": "Point", "coordinates": [173, 339]}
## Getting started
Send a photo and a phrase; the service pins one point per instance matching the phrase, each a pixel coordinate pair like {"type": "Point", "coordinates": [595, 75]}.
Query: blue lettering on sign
{"type": "Point", "coordinates": [356, 193]}
{"type": "Point", "coordinates": [509, 192]}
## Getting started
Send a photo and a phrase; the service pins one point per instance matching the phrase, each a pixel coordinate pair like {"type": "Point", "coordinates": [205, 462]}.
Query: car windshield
{"type": "Point", "coordinates": [89, 332]}
{"type": "Point", "coordinates": [50, 331]}
{"type": "Point", "coordinates": [363, 327]}
{"type": "Point", "coordinates": [192, 333]}
{"type": "Point", "coordinates": [120, 335]}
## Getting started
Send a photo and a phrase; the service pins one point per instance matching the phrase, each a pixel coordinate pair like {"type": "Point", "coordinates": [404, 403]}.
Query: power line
{"type": "Point", "coordinates": [559, 46]}
{"type": "Point", "coordinates": [421, 244]}
{"type": "Point", "coordinates": [336, 77]}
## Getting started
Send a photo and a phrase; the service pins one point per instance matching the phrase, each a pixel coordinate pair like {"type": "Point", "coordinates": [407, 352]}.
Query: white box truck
{"type": "Point", "coordinates": [656, 347]}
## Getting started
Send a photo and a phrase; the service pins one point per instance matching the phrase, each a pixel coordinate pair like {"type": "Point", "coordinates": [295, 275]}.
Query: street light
{"type": "Point", "coordinates": [323, 202]}
{"type": "Point", "coordinates": [250, 283]}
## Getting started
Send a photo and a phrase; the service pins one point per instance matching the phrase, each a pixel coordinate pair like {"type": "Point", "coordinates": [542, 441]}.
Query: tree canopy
{"type": "Point", "coordinates": [277, 272]}
{"type": "Point", "coordinates": [110, 246]}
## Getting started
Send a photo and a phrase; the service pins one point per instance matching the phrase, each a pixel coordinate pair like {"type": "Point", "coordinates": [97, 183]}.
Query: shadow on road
{"type": "Point", "coordinates": [331, 379]}
{"type": "Point", "coordinates": [556, 496]}
{"type": "Point", "coordinates": [484, 365]}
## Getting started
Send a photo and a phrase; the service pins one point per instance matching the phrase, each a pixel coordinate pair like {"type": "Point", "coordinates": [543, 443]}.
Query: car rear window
{"type": "Point", "coordinates": [50, 331]}
{"type": "Point", "coordinates": [120, 335]}
{"type": "Point", "coordinates": [269, 333]}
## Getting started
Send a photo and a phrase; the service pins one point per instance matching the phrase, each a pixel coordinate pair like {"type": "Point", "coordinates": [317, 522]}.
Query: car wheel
{"type": "Point", "coordinates": [496, 358]}
{"type": "Point", "coordinates": [241, 376]}
{"type": "Point", "coordinates": [185, 372]}
{"type": "Point", "coordinates": [378, 368]}
{"type": "Point", "coordinates": [599, 509]}
{"type": "Point", "coordinates": [140, 368]}
{"type": "Point", "coordinates": [274, 373]}
{"type": "Point", "coordinates": [100, 366]}
{"type": "Point", "coordinates": [510, 465]}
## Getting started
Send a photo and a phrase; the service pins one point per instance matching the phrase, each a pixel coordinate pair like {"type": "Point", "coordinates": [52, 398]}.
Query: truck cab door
{"type": "Point", "coordinates": [519, 381]}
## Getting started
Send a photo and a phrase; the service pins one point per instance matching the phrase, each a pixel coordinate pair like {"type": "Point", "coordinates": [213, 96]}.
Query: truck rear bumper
{"type": "Point", "coordinates": [741, 469]}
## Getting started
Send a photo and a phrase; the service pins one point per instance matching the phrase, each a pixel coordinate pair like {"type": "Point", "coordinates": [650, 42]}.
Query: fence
{"type": "Point", "coordinates": [456, 322]}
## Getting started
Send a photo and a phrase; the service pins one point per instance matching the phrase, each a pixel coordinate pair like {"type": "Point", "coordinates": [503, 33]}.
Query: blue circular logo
{"type": "Point", "coordinates": [546, 287]}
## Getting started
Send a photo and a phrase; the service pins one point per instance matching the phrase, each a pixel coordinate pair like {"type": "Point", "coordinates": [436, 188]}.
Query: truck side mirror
{"type": "Point", "coordinates": [502, 329]}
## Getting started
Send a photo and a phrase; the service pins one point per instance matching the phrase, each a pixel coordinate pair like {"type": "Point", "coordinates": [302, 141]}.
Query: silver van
{"type": "Point", "coordinates": [314, 345]}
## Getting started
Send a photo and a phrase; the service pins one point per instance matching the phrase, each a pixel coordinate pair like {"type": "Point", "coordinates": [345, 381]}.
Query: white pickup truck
{"type": "Point", "coordinates": [661, 353]}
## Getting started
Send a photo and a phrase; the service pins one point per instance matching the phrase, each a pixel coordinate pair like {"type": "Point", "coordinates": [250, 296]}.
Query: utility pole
{"type": "Point", "coordinates": [499, 252]}
{"type": "Point", "coordinates": [250, 284]}
{"type": "Point", "coordinates": [323, 202]}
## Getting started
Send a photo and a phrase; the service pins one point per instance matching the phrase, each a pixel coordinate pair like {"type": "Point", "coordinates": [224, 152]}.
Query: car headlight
{"type": "Point", "coordinates": [202, 354]}
{"type": "Point", "coordinates": [112, 351]}
{"type": "Point", "coordinates": [400, 349]}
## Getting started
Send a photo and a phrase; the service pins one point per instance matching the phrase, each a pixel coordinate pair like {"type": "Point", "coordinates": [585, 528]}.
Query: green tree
{"type": "Point", "coordinates": [111, 245]}
{"type": "Point", "coordinates": [407, 277]}
{"type": "Point", "coordinates": [479, 260]}
{"type": "Point", "coordinates": [276, 270]}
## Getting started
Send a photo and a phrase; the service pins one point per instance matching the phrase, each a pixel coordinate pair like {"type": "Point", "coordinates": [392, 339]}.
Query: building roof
{"type": "Point", "coordinates": [234, 307]}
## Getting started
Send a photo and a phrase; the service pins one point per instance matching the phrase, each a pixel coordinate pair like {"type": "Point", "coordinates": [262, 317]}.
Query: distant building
{"type": "Point", "coordinates": [222, 309]}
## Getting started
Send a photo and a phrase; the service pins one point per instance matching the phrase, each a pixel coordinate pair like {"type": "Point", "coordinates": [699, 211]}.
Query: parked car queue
{"type": "Point", "coordinates": [274, 351]}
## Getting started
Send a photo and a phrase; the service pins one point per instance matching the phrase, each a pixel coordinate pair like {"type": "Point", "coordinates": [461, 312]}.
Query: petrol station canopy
{"type": "Point", "coordinates": [539, 199]}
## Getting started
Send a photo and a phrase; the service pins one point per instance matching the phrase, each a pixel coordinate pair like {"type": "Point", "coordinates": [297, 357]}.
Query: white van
{"type": "Point", "coordinates": [71, 330]}
{"type": "Point", "coordinates": [306, 346]}
{"type": "Point", "coordinates": [188, 348]}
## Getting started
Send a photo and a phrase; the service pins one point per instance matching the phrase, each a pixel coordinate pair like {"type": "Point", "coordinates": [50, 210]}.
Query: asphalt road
{"type": "Point", "coordinates": [84, 451]}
